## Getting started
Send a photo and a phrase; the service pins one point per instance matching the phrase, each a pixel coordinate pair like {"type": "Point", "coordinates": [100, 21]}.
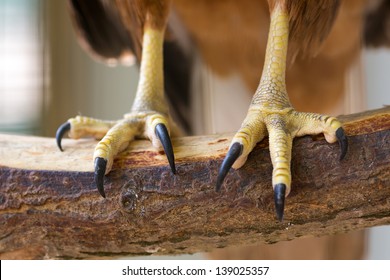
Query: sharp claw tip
{"type": "Point", "coordinates": [65, 127]}
{"type": "Point", "coordinates": [220, 179]}
{"type": "Point", "coordinates": [162, 133]}
{"type": "Point", "coordinates": [279, 195]}
{"type": "Point", "coordinates": [219, 185]}
{"type": "Point", "coordinates": [101, 189]}
{"type": "Point", "coordinates": [102, 193]}
{"type": "Point", "coordinates": [234, 152]}
{"type": "Point", "coordinates": [100, 170]}
{"type": "Point", "coordinates": [343, 142]}
{"type": "Point", "coordinates": [280, 217]}
{"type": "Point", "coordinates": [172, 165]}
{"type": "Point", "coordinates": [59, 145]}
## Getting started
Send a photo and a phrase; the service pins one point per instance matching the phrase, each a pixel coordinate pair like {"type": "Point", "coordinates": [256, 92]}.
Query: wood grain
{"type": "Point", "coordinates": [49, 207]}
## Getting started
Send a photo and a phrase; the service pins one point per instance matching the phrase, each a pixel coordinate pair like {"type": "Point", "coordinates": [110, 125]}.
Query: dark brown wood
{"type": "Point", "coordinates": [49, 207]}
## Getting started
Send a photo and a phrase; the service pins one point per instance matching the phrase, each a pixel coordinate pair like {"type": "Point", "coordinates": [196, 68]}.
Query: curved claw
{"type": "Point", "coordinates": [100, 170]}
{"type": "Point", "coordinates": [162, 133]}
{"type": "Point", "coordinates": [343, 141]}
{"type": "Point", "coordinates": [65, 127]}
{"type": "Point", "coordinates": [233, 153]}
{"type": "Point", "coordinates": [279, 196]}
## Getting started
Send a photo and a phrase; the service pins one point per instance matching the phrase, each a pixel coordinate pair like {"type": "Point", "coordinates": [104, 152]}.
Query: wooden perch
{"type": "Point", "coordinates": [49, 207]}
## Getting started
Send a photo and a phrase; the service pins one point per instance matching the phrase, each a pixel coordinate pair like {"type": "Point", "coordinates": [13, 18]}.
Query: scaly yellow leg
{"type": "Point", "coordinates": [148, 117]}
{"type": "Point", "coordinates": [271, 113]}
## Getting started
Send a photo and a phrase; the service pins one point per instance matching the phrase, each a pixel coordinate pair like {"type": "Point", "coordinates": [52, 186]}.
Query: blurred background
{"type": "Point", "coordinates": [45, 78]}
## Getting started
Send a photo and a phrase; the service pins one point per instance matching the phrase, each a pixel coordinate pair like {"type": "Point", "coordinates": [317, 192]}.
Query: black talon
{"type": "Point", "coordinates": [279, 196]}
{"type": "Point", "coordinates": [162, 133]}
{"type": "Point", "coordinates": [65, 127]}
{"type": "Point", "coordinates": [100, 170]}
{"type": "Point", "coordinates": [233, 153]}
{"type": "Point", "coordinates": [343, 142]}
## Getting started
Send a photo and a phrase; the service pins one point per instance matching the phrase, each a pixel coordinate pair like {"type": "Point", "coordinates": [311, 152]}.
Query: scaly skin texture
{"type": "Point", "coordinates": [150, 91]}
{"type": "Point", "coordinates": [271, 113]}
{"type": "Point", "coordinates": [148, 110]}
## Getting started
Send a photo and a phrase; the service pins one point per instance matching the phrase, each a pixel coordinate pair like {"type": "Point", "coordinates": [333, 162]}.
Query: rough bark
{"type": "Point", "coordinates": [49, 207]}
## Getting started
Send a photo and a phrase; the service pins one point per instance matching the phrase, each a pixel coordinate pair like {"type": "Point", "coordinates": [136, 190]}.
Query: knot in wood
{"type": "Point", "coordinates": [129, 199]}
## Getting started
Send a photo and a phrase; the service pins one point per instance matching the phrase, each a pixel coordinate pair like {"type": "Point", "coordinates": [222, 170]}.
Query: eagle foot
{"type": "Point", "coordinates": [281, 127]}
{"type": "Point", "coordinates": [116, 136]}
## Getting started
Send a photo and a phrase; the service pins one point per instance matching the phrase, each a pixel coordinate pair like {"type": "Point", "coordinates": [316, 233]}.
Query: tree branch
{"type": "Point", "coordinates": [49, 207]}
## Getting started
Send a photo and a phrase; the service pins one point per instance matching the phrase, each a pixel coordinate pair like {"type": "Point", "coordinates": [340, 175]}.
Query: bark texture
{"type": "Point", "coordinates": [49, 207]}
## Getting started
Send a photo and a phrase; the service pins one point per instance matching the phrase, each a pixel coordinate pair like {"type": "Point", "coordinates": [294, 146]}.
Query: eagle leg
{"type": "Point", "coordinates": [270, 113]}
{"type": "Point", "coordinates": [149, 117]}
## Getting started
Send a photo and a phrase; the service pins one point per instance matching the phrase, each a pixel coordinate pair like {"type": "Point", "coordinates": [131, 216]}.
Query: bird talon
{"type": "Point", "coordinates": [163, 135]}
{"type": "Point", "coordinates": [343, 142]}
{"type": "Point", "coordinates": [234, 152]}
{"type": "Point", "coordinates": [65, 127]}
{"type": "Point", "coordinates": [279, 196]}
{"type": "Point", "coordinates": [100, 170]}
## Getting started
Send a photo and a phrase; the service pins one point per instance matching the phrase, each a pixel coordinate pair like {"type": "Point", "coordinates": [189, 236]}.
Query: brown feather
{"type": "Point", "coordinates": [377, 24]}
{"type": "Point", "coordinates": [100, 30]}
{"type": "Point", "coordinates": [135, 14]}
{"type": "Point", "coordinates": [310, 24]}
